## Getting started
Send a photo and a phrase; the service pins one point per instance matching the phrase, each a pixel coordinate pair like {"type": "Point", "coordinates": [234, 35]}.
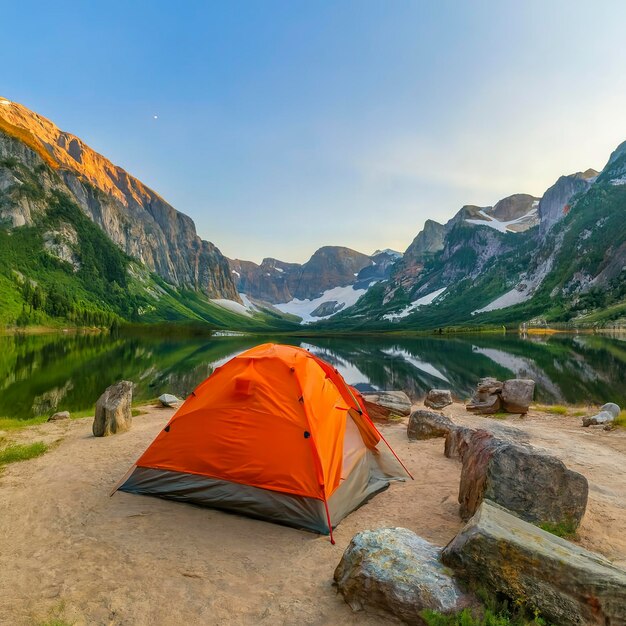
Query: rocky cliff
{"type": "Point", "coordinates": [136, 218]}
{"type": "Point", "coordinates": [275, 281]}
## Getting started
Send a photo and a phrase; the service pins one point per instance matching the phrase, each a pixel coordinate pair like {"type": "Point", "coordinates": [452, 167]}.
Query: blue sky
{"type": "Point", "coordinates": [284, 126]}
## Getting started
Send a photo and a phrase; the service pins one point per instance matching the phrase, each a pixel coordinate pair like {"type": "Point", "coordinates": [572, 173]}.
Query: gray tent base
{"type": "Point", "coordinates": [366, 480]}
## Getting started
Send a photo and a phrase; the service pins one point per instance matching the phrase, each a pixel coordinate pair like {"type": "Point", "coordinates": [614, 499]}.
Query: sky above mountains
{"type": "Point", "coordinates": [280, 127]}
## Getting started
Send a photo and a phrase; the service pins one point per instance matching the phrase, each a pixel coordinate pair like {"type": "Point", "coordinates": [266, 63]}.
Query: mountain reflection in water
{"type": "Point", "coordinates": [45, 373]}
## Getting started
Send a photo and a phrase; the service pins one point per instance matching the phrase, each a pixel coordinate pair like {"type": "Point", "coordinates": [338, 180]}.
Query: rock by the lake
{"type": "Point", "coordinates": [113, 410]}
{"type": "Point", "coordinates": [517, 394]}
{"type": "Point", "coordinates": [488, 386]}
{"type": "Point", "coordinates": [612, 408]}
{"type": "Point", "coordinates": [565, 583]}
{"type": "Point", "coordinates": [384, 405]}
{"type": "Point", "coordinates": [488, 406]}
{"type": "Point", "coordinates": [427, 425]}
{"type": "Point", "coordinates": [603, 417]}
{"type": "Point", "coordinates": [438, 399]}
{"type": "Point", "coordinates": [512, 396]}
{"type": "Point", "coordinates": [61, 415]}
{"type": "Point", "coordinates": [394, 570]}
{"type": "Point", "coordinates": [457, 441]}
{"type": "Point", "coordinates": [607, 415]}
{"type": "Point", "coordinates": [169, 400]}
{"type": "Point", "coordinates": [536, 486]}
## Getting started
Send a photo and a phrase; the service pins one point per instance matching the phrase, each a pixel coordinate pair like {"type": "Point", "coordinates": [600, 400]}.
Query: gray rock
{"type": "Point", "coordinates": [169, 400]}
{"type": "Point", "coordinates": [487, 406]}
{"type": "Point", "coordinates": [438, 399]}
{"type": "Point", "coordinates": [427, 425]}
{"type": "Point", "coordinates": [393, 570]}
{"type": "Point", "coordinates": [384, 405]}
{"type": "Point", "coordinates": [517, 394]}
{"type": "Point", "coordinates": [457, 441]}
{"type": "Point", "coordinates": [489, 386]}
{"type": "Point", "coordinates": [565, 583]}
{"type": "Point", "coordinates": [612, 408]}
{"type": "Point", "coordinates": [61, 415]}
{"type": "Point", "coordinates": [603, 417]}
{"type": "Point", "coordinates": [113, 410]}
{"type": "Point", "coordinates": [534, 485]}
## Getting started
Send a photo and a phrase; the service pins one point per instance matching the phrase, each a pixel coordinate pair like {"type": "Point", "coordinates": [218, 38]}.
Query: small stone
{"type": "Point", "coordinates": [603, 417]}
{"type": "Point", "coordinates": [438, 399]}
{"type": "Point", "coordinates": [393, 570]}
{"type": "Point", "coordinates": [61, 415]}
{"type": "Point", "coordinates": [488, 406]}
{"type": "Point", "coordinates": [427, 425]}
{"type": "Point", "coordinates": [612, 408]}
{"type": "Point", "coordinates": [169, 400]}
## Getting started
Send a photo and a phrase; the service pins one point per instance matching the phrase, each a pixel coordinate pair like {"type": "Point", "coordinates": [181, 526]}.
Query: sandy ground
{"type": "Point", "coordinates": [69, 551]}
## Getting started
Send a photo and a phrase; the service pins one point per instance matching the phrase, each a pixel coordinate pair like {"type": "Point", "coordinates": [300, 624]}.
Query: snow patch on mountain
{"type": "Point", "coordinates": [503, 227]}
{"type": "Point", "coordinates": [392, 253]}
{"type": "Point", "coordinates": [423, 301]}
{"type": "Point", "coordinates": [233, 306]}
{"type": "Point", "coordinates": [523, 291]}
{"type": "Point", "coordinates": [343, 296]}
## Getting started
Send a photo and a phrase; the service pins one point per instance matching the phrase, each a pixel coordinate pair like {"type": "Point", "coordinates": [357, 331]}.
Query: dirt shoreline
{"type": "Point", "coordinates": [69, 551]}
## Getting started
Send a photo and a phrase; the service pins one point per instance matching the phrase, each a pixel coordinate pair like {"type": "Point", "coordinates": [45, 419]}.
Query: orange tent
{"type": "Point", "coordinates": [275, 433]}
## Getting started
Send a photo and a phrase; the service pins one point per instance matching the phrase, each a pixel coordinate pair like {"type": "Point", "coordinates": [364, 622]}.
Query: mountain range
{"type": "Point", "coordinates": [82, 241]}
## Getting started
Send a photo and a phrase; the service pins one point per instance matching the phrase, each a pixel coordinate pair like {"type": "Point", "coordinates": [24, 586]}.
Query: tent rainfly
{"type": "Point", "coordinates": [275, 433]}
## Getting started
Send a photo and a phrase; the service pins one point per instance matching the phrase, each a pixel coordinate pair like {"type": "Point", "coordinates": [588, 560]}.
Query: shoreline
{"type": "Point", "coordinates": [100, 559]}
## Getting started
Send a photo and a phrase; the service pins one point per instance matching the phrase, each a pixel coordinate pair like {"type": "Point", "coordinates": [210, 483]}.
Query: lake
{"type": "Point", "coordinates": [40, 374]}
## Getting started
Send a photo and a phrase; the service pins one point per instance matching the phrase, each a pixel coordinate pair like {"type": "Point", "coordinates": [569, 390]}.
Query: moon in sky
{"type": "Point", "coordinates": [156, 117]}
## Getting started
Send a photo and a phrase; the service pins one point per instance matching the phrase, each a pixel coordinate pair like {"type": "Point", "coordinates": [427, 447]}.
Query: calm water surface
{"type": "Point", "coordinates": [42, 374]}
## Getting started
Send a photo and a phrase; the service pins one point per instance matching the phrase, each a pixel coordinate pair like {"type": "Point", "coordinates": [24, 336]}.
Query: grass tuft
{"type": "Point", "coordinates": [22, 452]}
{"type": "Point", "coordinates": [620, 420]}
{"type": "Point", "coordinates": [556, 409]}
{"type": "Point", "coordinates": [566, 530]}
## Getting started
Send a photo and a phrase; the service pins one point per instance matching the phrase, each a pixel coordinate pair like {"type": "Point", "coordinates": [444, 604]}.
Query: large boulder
{"type": "Point", "coordinates": [517, 394]}
{"type": "Point", "coordinates": [512, 396]}
{"type": "Point", "coordinates": [113, 410]}
{"type": "Point", "coordinates": [438, 399]}
{"type": "Point", "coordinates": [457, 442]}
{"type": "Point", "coordinates": [393, 570]}
{"type": "Point", "coordinates": [427, 425]}
{"type": "Point", "coordinates": [565, 583]}
{"type": "Point", "coordinates": [384, 405]}
{"type": "Point", "coordinates": [536, 486]}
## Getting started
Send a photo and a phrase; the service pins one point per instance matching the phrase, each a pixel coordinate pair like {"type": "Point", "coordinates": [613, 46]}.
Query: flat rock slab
{"type": "Point", "coordinates": [427, 425]}
{"type": "Point", "coordinates": [533, 484]}
{"type": "Point", "coordinates": [565, 583]}
{"type": "Point", "coordinates": [394, 570]}
{"type": "Point", "coordinates": [384, 405]}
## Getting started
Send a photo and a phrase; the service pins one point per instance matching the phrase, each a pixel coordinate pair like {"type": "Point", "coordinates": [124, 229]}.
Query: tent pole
{"type": "Point", "coordinates": [330, 527]}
